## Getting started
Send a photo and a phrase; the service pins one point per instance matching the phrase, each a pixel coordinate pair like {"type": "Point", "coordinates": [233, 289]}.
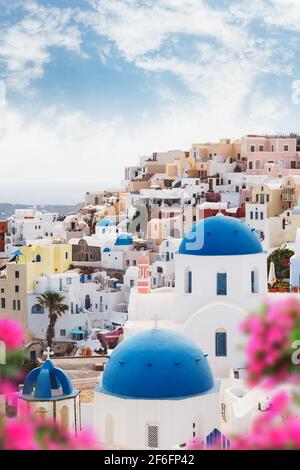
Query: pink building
{"type": "Point", "coordinates": [274, 155]}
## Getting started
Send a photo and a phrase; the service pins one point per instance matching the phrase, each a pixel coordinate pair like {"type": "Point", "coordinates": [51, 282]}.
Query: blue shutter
{"type": "Point", "coordinates": [221, 344]}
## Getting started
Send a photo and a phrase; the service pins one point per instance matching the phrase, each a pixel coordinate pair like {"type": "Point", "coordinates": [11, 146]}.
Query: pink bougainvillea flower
{"type": "Point", "coordinates": [7, 387]}
{"type": "Point", "coordinates": [11, 333]}
{"type": "Point", "coordinates": [19, 435]}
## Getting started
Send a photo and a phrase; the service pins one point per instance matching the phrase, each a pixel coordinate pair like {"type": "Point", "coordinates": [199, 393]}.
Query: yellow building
{"type": "Point", "coordinates": [18, 277]}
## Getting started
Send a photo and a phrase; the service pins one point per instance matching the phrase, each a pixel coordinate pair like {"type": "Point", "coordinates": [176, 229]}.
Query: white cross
{"type": "Point", "coordinates": [156, 318]}
{"type": "Point", "coordinates": [48, 353]}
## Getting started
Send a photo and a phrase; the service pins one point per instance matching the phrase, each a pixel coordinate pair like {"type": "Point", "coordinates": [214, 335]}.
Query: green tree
{"type": "Point", "coordinates": [53, 302]}
{"type": "Point", "coordinates": [281, 259]}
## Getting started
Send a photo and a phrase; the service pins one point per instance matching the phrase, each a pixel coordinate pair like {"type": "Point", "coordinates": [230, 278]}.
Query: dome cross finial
{"type": "Point", "coordinates": [48, 353]}
{"type": "Point", "coordinates": [156, 318]}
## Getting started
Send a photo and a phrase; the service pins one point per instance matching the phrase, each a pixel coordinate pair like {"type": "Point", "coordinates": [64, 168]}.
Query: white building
{"type": "Point", "coordinates": [30, 224]}
{"type": "Point", "coordinates": [220, 275]}
{"type": "Point", "coordinates": [295, 263]}
{"type": "Point", "coordinates": [90, 305]}
{"type": "Point", "coordinates": [163, 269]}
{"type": "Point", "coordinates": [157, 391]}
{"type": "Point", "coordinates": [112, 254]}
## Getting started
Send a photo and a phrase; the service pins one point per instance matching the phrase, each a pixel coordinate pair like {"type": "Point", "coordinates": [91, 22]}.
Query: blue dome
{"type": "Point", "coordinates": [106, 250]}
{"type": "Point", "coordinates": [104, 223]}
{"type": "Point", "coordinates": [218, 236]}
{"type": "Point", "coordinates": [124, 240]}
{"type": "Point", "coordinates": [156, 364]}
{"type": "Point", "coordinates": [41, 381]}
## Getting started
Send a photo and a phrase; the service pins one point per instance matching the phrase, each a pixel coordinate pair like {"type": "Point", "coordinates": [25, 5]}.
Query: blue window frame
{"type": "Point", "coordinates": [221, 283]}
{"type": "Point", "coordinates": [221, 344]}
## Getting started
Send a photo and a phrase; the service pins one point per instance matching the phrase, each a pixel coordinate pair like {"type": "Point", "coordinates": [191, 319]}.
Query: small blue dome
{"type": "Point", "coordinates": [106, 250]}
{"type": "Point", "coordinates": [41, 381]}
{"type": "Point", "coordinates": [124, 240]}
{"type": "Point", "coordinates": [104, 223]}
{"type": "Point", "coordinates": [218, 236]}
{"type": "Point", "coordinates": [156, 364]}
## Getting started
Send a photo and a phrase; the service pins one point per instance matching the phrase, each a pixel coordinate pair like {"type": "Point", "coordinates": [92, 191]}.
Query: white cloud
{"type": "Point", "coordinates": [2, 94]}
{"type": "Point", "coordinates": [61, 154]}
{"type": "Point", "coordinates": [57, 157]}
{"type": "Point", "coordinates": [24, 46]}
{"type": "Point", "coordinates": [222, 58]}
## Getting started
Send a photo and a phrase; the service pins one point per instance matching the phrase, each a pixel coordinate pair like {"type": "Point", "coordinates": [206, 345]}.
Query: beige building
{"type": "Point", "coordinates": [269, 194]}
{"type": "Point", "coordinates": [225, 147]}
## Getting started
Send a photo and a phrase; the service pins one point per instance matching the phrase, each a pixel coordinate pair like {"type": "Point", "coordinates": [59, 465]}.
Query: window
{"type": "Point", "coordinates": [67, 255]}
{"type": "Point", "coordinates": [273, 148]}
{"type": "Point", "coordinates": [14, 305]}
{"type": "Point", "coordinates": [256, 215]}
{"type": "Point", "coordinates": [268, 197]}
{"type": "Point", "coordinates": [221, 343]}
{"type": "Point", "coordinates": [62, 332]}
{"type": "Point", "coordinates": [38, 258]}
{"type": "Point", "coordinates": [17, 289]}
{"type": "Point", "coordinates": [37, 308]}
{"type": "Point", "coordinates": [286, 148]}
{"type": "Point", "coordinates": [2, 291]}
{"type": "Point", "coordinates": [251, 215]}
{"type": "Point", "coordinates": [152, 436]}
{"type": "Point", "coordinates": [127, 262]}
{"type": "Point", "coordinates": [17, 274]}
{"type": "Point", "coordinates": [189, 282]}
{"type": "Point", "coordinates": [250, 165]}
{"type": "Point", "coordinates": [3, 302]}
{"type": "Point", "coordinates": [261, 148]}
{"type": "Point", "coordinates": [134, 262]}
{"type": "Point", "coordinates": [254, 282]}
{"type": "Point", "coordinates": [72, 307]}
{"type": "Point", "coordinates": [257, 197]}
{"type": "Point", "coordinates": [41, 413]}
{"type": "Point", "coordinates": [221, 283]}
{"type": "Point", "coordinates": [261, 216]}
{"type": "Point", "coordinates": [69, 281]}
{"type": "Point", "coordinates": [18, 304]}
{"type": "Point", "coordinates": [293, 164]}
{"type": "Point", "coordinates": [252, 148]}
{"type": "Point", "coordinates": [131, 283]}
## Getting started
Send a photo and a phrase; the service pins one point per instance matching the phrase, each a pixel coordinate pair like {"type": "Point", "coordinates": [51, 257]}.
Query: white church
{"type": "Point", "coordinates": [220, 276]}
{"type": "Point", "coordinates": [166, 384]}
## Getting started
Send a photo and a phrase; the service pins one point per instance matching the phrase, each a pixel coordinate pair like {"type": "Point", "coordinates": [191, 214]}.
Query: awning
{"type": "Point", "coordinates": [77, 331]}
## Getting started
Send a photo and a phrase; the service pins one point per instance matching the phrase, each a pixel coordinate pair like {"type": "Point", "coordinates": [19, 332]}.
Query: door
{"type": "Point", "coordinates": [87, 302]}
{"type": "Point", "coordinates": [152, 436]}
{"type": "Point", "coordinates": [33, 356]}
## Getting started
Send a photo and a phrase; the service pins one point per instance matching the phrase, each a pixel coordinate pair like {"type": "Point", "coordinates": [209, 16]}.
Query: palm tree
{"type": "Point", "coordinates": [53, 302]}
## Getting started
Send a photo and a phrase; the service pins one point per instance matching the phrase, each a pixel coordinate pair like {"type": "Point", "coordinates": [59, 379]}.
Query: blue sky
{"type": "Point", "coordinates": [88, 86]}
